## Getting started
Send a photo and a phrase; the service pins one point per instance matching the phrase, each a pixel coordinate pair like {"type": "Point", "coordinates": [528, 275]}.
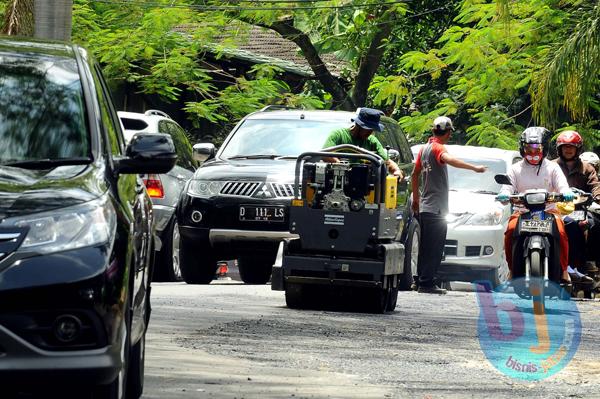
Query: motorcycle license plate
{"type": "Point", "coordinates": [577, 215]}
{"type": "Point", "coordinates": [536, 226]}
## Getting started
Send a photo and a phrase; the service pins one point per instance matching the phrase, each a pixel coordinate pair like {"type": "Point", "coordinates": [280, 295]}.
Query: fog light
{"type": "Point", "coordinates": [488, 250]}
{"type": "Point", "coordinates": [196, 216]}
{"type": "Point", "coordinates": [67, 328]}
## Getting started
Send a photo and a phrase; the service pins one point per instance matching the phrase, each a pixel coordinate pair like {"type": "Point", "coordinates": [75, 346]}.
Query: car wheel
{"type": "Point", "coordinates": [168, 265]}
{"type": "Point", "coordinates": [255, 270]}
{"type": "Point", "coordinates": [197, 264]}
{"type": "Point", "coordinates": [411, 256]}
{"type": "Point", "coordinates": [117, 389]}
{"type": "Point", "coordinates": [135, 374]}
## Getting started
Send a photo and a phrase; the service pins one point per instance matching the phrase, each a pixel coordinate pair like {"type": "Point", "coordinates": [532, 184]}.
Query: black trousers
{"type": "Point", "coordinates": [579, 249]}
{"type": "Point", "coordinates": [431, 247]}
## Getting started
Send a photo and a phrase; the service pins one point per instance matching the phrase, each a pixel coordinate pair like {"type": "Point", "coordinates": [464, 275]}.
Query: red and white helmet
{"type": "Point", "coordinates": [569, 137]}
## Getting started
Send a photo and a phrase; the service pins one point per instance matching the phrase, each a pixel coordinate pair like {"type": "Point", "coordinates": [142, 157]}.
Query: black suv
{"type": "Point", "coordinates": [76, 237]}
{"type": "Point", "coordinates": [236, 205]}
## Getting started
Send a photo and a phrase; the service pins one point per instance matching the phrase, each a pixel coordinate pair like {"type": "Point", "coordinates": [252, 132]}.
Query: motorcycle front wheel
{"type": "Point", "coordinates": [537, 281]}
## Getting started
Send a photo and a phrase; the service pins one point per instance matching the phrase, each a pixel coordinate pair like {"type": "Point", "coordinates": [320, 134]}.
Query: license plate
{"type": "Point", "coordinates": [577, 215]}
{"type": "Point", "coordinates": [252, 213]}
{"type": "Point", "coordinates": [536, 226]}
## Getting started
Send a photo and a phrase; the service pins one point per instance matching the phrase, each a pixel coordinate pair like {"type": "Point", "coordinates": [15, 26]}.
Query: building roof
{"type": "Point", "coordinates": [264, 46]}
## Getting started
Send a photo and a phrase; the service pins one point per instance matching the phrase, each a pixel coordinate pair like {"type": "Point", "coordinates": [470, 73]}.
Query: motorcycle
{"type": "Point", "coordinates": [535, 251]}
{"type": "Point", "coordinates": [583, 210]}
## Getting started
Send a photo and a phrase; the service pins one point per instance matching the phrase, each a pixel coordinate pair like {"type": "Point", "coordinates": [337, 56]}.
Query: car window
{"type": "Point", "coordinates": [108, 116]}
{"type": "Point", "coordinates": [182, 145]}
{"type": "Point", "coordinates": [398, 141]}
{"type": "Point", "coordinates": [163, 127]}
{"type": "Point", "coordinates": [464, 179]}
{"type": "Point", "coordinates": [386, 137]}
{"type": "Point", "coordinates": [42, 111]}
{"type": "Point", "coordinates": [279, 137]}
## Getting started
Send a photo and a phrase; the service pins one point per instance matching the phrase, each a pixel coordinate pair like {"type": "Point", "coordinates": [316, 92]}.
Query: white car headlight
{"type": "Point", "coordinates": [490, 218]}
{"type": "Point", "coordinates": [68, 228]}
{"type": "Point", "coordinates": [204, 188]}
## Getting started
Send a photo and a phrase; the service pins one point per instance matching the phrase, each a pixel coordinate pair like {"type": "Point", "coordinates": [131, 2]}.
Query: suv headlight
{"type": "Point", "coordinates": [490, 218]}
{"type": "Point", "coordinates": [204, 188]}
{"type": "Point", "coordinates": [78, 226]}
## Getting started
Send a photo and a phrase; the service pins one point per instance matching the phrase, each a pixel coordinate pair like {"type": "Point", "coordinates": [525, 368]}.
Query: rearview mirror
{"type": "Point", "coordinates": [502, 179]}
{"type": "Point", "coordinates": [204, 151]}
{"type": "Point", "coordinates": [394, 155]}
{"type": "Point", "coordinates": [148, 153]}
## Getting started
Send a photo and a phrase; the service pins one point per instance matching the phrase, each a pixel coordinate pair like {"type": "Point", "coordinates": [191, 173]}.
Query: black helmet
{"type": "Point", "coordinates": [535, 135]}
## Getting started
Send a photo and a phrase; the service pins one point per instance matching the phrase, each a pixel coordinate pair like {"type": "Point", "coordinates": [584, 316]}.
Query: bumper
{"type": "Point", "coordinates": [25, 363]}
{"type": "Point", "coordinates": [162, 217]}
{"type": "Point", "coordinates": [228, 235]}
{"type": "Point", "coordinates": [472, 252]}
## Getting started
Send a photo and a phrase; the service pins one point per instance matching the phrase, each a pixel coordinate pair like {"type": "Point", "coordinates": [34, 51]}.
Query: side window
{"type": "Point", "coordinates": [182, 145]}
{"type": "Point", "coordinates": [108, 116]}
{"type": "Point", "coordinates": [386, 137]}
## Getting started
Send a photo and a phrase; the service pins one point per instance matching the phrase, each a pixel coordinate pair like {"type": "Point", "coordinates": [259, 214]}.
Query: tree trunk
{"type": "Point", "coordinates": [370, 62]}
{"type": "Point", "coordinates": [341, 97]}
{"type": "Point", "coordinates": [53, 19]}
{"type": "Point", "coordinates": [18, 18]}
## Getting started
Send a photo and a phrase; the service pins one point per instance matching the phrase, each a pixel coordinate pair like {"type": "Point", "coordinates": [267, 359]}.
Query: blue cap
{"type": "Point", "coordinates": [368, 118]}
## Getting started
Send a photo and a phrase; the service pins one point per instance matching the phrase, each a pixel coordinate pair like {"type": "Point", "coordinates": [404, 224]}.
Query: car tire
{"type": "Point", "coordinates": [198, 266]}
{"type": "Point", "coordinates": [117, 389]}
{"type": "Point", "coordinates": [411, 256]}
{"type": "Point", "coordinates": [135, 374]}
{"type": "Point", "coordinates": [256, 270]}
{"type": "Point", "coordinates": [168, 264]}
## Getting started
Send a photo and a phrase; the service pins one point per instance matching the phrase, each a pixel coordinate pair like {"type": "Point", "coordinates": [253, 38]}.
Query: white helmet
{"type": "Point", "coordinates": [591, 158]}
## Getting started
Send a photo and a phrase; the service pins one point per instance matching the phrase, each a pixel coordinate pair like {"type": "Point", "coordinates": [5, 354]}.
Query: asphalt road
{"type": "Point", "coordinates": [229, 340]}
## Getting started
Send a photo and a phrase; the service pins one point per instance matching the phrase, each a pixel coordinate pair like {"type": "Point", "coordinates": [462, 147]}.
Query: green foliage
{"type": "Point", "coordinates": [489, 60]}
{"type": "Point", "coordinates": [159, 50]}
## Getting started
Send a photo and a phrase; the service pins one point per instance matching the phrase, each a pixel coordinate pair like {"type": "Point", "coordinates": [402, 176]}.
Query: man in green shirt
{"type": "Point", "coordinates": [361, 135]}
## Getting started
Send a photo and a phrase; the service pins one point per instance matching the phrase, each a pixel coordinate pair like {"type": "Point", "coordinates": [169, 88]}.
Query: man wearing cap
{"type": "Point", "coordinates": [431, 205]}
{"type": "Point", "coordinates": [360, 135]}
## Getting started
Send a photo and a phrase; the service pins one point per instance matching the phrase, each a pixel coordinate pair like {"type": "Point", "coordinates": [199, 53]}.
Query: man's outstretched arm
{"type": "Point", "coordinates": [459, 163]}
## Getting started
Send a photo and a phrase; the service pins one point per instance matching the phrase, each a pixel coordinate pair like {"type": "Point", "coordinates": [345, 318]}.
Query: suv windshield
{"type": "Point", "coordinates": [42, 114]}
{"type": "Point", "coordinates": [279, 137]}
{"type": "Point", "coordinates": [463, 179]}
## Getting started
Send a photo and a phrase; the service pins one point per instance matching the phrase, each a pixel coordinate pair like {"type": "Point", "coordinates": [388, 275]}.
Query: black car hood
{"type": "Point", "coordinates": [273, 170]}
{"type": "Point", "coordinates": [23, 191]}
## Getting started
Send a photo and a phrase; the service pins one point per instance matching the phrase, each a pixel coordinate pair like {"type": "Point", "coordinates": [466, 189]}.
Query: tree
{"type": "Point", "coordinates": [18, 18]}
{"type": "Point", "coordinates": [485, 67]}
{"type": "Point", "coordinates": [356, 31]}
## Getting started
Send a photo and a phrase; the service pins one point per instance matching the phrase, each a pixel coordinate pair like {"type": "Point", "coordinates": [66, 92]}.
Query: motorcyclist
{"type": "Point", "coordinates": [535, 171]}
{"type": "Point", "coordinates": [582, 176]}
{"type": "Point", "coordinates": [591, 158]}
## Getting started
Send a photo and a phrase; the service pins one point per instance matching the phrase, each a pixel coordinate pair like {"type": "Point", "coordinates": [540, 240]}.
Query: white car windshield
{"type": "Point", "coordinates": [279, 137]}
{"type": "Point", "coordinates": [463, 179]}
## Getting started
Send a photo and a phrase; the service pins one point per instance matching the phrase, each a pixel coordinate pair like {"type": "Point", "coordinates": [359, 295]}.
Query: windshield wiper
{"type": "Point", "coordinates": [46, 163]}
{"type": "Point", "coordinates": [256, 156]}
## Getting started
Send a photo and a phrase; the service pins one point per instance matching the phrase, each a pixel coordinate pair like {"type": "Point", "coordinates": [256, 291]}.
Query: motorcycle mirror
{"type": "Point", "coordinates": [502, 179]}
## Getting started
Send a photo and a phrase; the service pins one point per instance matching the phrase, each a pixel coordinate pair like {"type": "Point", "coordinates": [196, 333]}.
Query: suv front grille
{"type": "Point", "coordinates": [241, 188]}
{"type": "Point", "coordinates": [248, 189]}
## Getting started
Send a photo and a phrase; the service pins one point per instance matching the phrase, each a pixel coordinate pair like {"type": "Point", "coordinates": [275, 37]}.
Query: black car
{"type": "Point", "coordinates": [236, 205]}
{"type": "Point", "coordinates": [75, 226]}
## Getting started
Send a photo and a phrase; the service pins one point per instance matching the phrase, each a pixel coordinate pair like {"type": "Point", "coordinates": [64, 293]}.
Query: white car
{"type": "Point", "coordinates": [476, 221]}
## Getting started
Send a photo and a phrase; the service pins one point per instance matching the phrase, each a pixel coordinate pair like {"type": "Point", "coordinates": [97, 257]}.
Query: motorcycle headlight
{"type": "Point", "coordinates": [484, 219]}
{"type": "Point", "coordinates": [535, 198]}
{"type": "Point", "coordinates": [68, 228]}
{"type": "Point", "coordinates": [204, 188]}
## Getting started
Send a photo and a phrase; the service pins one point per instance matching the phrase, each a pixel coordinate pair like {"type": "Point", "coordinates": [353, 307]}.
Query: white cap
{"type": "Point", "coordinates": [590, 157]}
{"type": "Point", "coordinates": [442, 123]}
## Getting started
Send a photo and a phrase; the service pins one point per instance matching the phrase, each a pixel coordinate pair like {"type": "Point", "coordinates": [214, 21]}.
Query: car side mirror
{"type": "Point", "coordinates": [148, 153]}
{"type": "Point", "coordinates": [502, 179]}
{"type": "Point", "coordinates": [394, 155]}
{"type": "Point", "coordinates": [204, 151]}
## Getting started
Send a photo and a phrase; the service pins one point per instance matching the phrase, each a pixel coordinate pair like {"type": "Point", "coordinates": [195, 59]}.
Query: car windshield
{"type": "Point", "coordinates": [464, 179]}
{"type": "Point", "coordinates": [279, 137]}
{"type": "Point", "coordinates": [42, 114]}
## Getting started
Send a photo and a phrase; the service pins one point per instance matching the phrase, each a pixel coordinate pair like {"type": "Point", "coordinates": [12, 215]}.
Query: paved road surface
{"type": "Point", "coordinates": [229, 340]}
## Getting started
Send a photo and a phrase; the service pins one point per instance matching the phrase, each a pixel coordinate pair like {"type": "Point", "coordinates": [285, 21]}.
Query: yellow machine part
{"type": "Point", "coordinates": [391, 191]}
